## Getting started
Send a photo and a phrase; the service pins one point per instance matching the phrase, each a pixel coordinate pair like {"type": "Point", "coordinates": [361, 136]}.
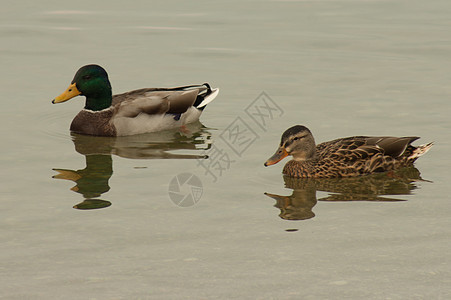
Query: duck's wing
{"type": "Point", "coordinates": [164, 100]}
{"type": "Point", "coordinates": [148, 105]}
{"type": "Point", "coordinates": [340, 147]}
{"type": "Point", "coordinates": [392, 146]}
{"type": "Point", "coordinates": [364, 146]}
{"type": "Point", "coordinates": [147, 101]}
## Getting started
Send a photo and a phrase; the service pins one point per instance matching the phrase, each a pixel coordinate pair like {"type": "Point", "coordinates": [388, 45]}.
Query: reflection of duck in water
{"type": "Point", "coordinates": [134, 112]}
{"type": "Point", "coordinates": [346, 157]}
{"type": "Point", "coordinates": [298, 206]}
{"type": "Point", "coordinates": [92, 181]}
{"type": "Point", "coordinates": [157, 145]}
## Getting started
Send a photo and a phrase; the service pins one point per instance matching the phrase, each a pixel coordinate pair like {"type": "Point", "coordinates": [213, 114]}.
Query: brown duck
{"type": "Point", "coordinates": [345, 157]}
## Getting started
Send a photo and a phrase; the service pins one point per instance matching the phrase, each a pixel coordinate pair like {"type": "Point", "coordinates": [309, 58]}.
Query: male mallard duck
{"type": "Point", "coordinates": [345, 157]}
{"type": "Point", "coordinates": [134, 112]}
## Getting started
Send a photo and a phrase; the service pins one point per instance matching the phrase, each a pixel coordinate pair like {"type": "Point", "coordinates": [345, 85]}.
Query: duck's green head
{"type": "Point", "coordinates": [90, 81]}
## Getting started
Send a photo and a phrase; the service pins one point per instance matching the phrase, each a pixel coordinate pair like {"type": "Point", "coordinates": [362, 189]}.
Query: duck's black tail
{"type": "Point", "coordinates": [205, 96]}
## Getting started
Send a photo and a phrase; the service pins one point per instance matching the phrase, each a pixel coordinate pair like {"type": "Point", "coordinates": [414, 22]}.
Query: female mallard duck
{"type": "Point", "coordinates": [134, 112]}
{"type": "Point", "coordinates": [345, 157]}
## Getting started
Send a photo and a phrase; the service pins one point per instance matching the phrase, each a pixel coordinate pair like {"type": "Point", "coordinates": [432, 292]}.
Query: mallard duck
{"type": "Point", "coordinates": [345, 157]}
{"type": "Point", "coordinates": [134, 112]}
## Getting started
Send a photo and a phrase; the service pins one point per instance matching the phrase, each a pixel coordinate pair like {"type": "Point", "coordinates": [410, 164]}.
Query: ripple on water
{"type": "Point", "coordinates": [55, 125]}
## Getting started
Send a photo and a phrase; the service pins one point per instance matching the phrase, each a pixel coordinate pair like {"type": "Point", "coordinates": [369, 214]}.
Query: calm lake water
{"type": "Point", "coordinates": [103, 218]}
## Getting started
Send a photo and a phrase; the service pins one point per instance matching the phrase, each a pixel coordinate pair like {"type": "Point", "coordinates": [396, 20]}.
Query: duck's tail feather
{"type": "Point", "coordinates": [420, 150]}
{"type": "Point", "coordinates": [205, 96]}
{"type": "Point", "coordinates": [205, 93]}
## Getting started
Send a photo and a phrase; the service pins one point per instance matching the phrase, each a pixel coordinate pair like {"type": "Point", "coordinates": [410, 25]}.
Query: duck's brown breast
{"type": "Point", "coordinates": [94, 123]}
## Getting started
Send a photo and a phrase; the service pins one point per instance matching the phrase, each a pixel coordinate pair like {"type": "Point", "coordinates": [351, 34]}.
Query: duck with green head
{"type": "Point", "coordinates": [345, 157]}
{"type": "Point", "coordinates": [134, 112]}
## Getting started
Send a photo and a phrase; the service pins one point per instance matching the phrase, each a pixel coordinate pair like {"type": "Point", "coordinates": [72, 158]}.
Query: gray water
{"type": "Point", "coordinates": [92, 218]}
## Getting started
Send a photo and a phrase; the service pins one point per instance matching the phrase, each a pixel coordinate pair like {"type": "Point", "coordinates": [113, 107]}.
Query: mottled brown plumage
{"type": "Point", "coordinates": [345, 157]}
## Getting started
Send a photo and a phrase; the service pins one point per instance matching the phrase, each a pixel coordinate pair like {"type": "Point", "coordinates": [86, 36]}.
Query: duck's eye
{"type": "Point", "coordinates": [87, 77]}
{"type": "Point", "coordinates": [296, 138]}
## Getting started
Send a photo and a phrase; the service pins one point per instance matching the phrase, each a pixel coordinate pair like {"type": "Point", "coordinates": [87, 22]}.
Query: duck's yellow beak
{"type": "Point", "coordinates": [280, 154]}
{"type": "Point", "coordinates": [70, 93]}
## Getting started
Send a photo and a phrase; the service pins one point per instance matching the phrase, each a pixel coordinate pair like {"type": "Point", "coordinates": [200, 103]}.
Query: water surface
{"type": "Point", "coordinates": [342, 68]}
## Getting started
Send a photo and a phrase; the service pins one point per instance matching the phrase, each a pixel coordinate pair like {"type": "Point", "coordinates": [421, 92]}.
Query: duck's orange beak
{"type": "Point", "coordinates": [280, 154]}
{"type": "Point", "coordinates": [69, 93]}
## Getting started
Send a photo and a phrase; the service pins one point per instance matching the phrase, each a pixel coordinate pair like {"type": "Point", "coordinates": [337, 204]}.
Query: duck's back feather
{"type": "Point", "coordinates": [149, 101]}
{"type": "Point", "coordinates": [358, 155]}
{"type": "Point", "coordinates": [181, 98]}
{"type": "Point", "coordinates": [387, 145]}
